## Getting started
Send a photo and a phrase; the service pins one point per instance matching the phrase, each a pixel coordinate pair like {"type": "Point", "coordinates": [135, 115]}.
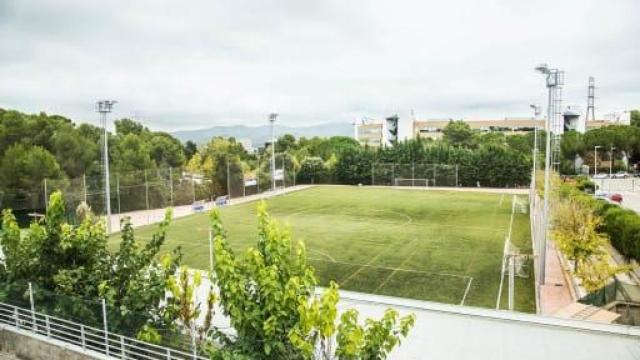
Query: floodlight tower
{"type": "Point", "coordinates": [554, 80]}
{"type": "Point", "coordinates": [591, 99]}
{"type": "Point", "coordinates": [536, 110]}
{"type": "Point", "coordinates": [272, 120]}
{"type": "Point", "coordinates": [104, 107]}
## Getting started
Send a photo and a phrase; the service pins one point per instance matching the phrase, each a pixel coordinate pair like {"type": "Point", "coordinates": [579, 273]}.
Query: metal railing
{"type": "Point", "coordinates": [87, 338]}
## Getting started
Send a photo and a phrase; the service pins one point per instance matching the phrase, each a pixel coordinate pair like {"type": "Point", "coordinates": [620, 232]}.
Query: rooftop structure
{"type": "Point", "coordinates": [433, 128]}
{"type": "Point", "coordinates": [370, 133]}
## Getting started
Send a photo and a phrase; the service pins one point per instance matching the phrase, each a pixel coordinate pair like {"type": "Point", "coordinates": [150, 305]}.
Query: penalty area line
{"type": "Point", "coordinates": [466, 292]}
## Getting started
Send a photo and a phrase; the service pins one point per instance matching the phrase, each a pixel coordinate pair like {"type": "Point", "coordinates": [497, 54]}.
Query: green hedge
{"type": "Point", "coordinates": [623, 228]}
{"type": "Point", "coordinates": [621, 225]}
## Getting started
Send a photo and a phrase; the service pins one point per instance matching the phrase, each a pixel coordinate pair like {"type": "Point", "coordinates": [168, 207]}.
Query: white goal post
{"type": "Point", "coordinates": [410, 182]}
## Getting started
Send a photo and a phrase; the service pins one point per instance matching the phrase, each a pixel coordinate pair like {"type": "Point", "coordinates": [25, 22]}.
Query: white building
{"type": "Point", "coordinates": [247, 145]}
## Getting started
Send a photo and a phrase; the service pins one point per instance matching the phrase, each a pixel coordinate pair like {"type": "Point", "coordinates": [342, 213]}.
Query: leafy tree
{"type": "Point", "coordinates": [458, 133]}
{"type": "Point", "coordinates": [75, 154]}
{"type": "Point", "coordinates": [494, 138]}
{"type": "Point", "coordinates": [183, 307]}
{"type": "Point", "coordinates": [635, 118]}
{"type": "Point", "coordinates": [286, 142]}
{"type": "Point", "coordinates": [575, 231]}
{"type": "Point", "coordinates": [522, 142]}
{"type": "Point", "coordinates": [166, 150]}
{"type": "Point", "coordinates": [269, 296]}
{"type": "Point", "coordinates": [128, 126]}
{"type": "Point", "coordinates": [190, 149]}
{"type": "Point", "coordinates": [131, 153]}
{"type": "Point", "coordinates": [312, 170]}
{"type": "Point", "coordinates": [23, 169]}
{"type": "Point", "coordinates": [75, 263]}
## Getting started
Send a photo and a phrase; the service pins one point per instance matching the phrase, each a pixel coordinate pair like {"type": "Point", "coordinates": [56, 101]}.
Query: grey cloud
{"type": "Point", "coordinates": [180, 65]}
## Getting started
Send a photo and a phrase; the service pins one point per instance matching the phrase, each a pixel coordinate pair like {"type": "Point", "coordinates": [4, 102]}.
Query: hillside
{"type": "Point", "coordinates": [260, 134]}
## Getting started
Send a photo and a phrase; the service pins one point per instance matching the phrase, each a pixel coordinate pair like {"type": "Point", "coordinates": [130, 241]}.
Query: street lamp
{"type": "Point", "coordinates": [611, 162]}
{"type": "Point", "coordinates": [103, 107]}
{"type": "Point", "coordinates": [272, 120]}
{"type": "Point", "coordinates": [595, 159]}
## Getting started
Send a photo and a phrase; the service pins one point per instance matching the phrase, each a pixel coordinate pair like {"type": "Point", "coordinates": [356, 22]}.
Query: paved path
{"type": "Point", "coordinates": [556, 293]}
{"type": "Point", "coordinates": [154, 216]}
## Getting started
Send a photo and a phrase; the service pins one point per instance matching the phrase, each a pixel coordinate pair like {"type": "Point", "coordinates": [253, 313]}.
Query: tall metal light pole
{"type": "Point", "coordinates": [272, 120]}
{"type": "Point", "coordinates": [595, 159]}
{"type": "Point", "coordinates": [552, 82]}
{"type": "Point", "coordinates": [535, 151]}
{"type": "Point", "coordinates": [103, 107]}
{"type": "Point", "coordinates": [611, 163]}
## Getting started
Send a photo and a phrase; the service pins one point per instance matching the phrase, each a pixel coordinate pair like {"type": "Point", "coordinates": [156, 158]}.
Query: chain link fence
{"type": "Point", "coordinates": [143, 194]}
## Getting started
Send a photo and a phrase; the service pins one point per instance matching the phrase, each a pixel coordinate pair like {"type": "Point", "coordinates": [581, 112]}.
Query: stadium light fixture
{"type": "Point", "coordinates": [543, 69]}
{"type": "Point", "coordinates": [103, 107]}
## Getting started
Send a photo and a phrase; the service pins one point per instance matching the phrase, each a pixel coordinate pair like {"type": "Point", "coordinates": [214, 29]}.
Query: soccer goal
{"type": "Point", "coordinates": [410, 182]}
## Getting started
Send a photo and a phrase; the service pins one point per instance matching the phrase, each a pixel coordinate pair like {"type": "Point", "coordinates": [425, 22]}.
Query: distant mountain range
{"type": "Point", "coordinates": [261, 134]}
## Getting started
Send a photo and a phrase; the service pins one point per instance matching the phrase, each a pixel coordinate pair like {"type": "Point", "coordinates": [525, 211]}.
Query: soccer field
{"type": "Point", "coordinates": [443, 246]}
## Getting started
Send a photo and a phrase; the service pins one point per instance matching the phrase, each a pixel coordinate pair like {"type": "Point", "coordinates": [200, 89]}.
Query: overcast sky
{"type": "Point", "coordinates": [193, 64]}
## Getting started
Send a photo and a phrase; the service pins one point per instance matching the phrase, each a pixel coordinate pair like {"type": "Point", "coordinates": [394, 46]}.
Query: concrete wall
{"type": "Point", "coordinates": [36, 348]}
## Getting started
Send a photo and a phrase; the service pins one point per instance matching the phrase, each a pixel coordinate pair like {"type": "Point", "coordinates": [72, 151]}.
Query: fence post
{"type": "Point", "coordinates": [413, 174]}
{"type": "Point", "coordinates": [171, 186]}
{"type": "Point", "coordinates": [123, 353]}
{"type": "Point", "coordinates": [393, 174]}
{"type": "Point", "coordinates": [457, 182]}
{"type": "Point", "coordinates": [434, 174]}
{"type": "Point", "coordinates": [82, 337]}
{"type": "Point", "coordinates": [84, 186]}
{"type": "Point", "coordinates": [168, 354]}
{"type": "Point", "coordinates": [146, 189]}
{"type": "Point", "coordinates": [106, 328]}
{"type": "Point", "coordinates": [193, 186]}
{"type": "Point", "coordinates": [16, 315]}
{"type": "Point", "coordinates": [372, 173]}
{"type": "Point", "coordinates": [33, 308]}
{"type": "Point", "coordinates": [45, 193]}
{"type": "Point", "coordinates": [258, 177]}
{"type": "Point", "coordinates": [193, 340]}
{"type": "Point", "coordinates": [118, 192]}
{"type": "Point", "coordinates": [228, 181]}
{"type": "Point", "coordinates": [284, 175]}
{"type": "Point", "coordinates": [211, 250]}
{"type": "Point", "coordinates": [294, 175]}
{"type": "Point", "coordinates": [47, 325]}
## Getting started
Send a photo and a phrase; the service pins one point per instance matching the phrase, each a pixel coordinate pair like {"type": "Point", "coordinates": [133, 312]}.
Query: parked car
{"type": "Point", "coordinates": [617, 198]}
{"type": "Point", "coordinates": [621, 175]}
{"type": "Point", "coordinates": [600, 176]}
{"type": "Point", "coordinates": [601, 195]}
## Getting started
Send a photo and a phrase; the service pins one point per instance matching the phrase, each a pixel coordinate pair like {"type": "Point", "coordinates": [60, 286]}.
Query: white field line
{"type": "Point", "coordinates": [464, 297]}
{"type": "Point", "coordinates": [383, 283]}
{"type": "Point", "coordinates": [409, 218]}
{"type": "Point", "coordinates": [322, 253]}
{"type": "Point", "coordinates": [393, 269]}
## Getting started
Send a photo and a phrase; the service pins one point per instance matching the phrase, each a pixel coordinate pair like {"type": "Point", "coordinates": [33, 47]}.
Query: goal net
{"type": "Point", "coordinates": [410, 182]}
{"type": "Point", "coordinates": [520, 205]}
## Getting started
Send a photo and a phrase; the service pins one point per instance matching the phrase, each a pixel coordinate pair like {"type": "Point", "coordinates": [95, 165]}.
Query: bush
{"type": "Point", "coordinates": [585, 184]}
{"type": "Point", "coordinates": [623, 228]}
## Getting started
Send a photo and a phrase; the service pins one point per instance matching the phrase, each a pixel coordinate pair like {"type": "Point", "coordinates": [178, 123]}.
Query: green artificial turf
{"type": "Point", "coordinates": [428, 245]}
